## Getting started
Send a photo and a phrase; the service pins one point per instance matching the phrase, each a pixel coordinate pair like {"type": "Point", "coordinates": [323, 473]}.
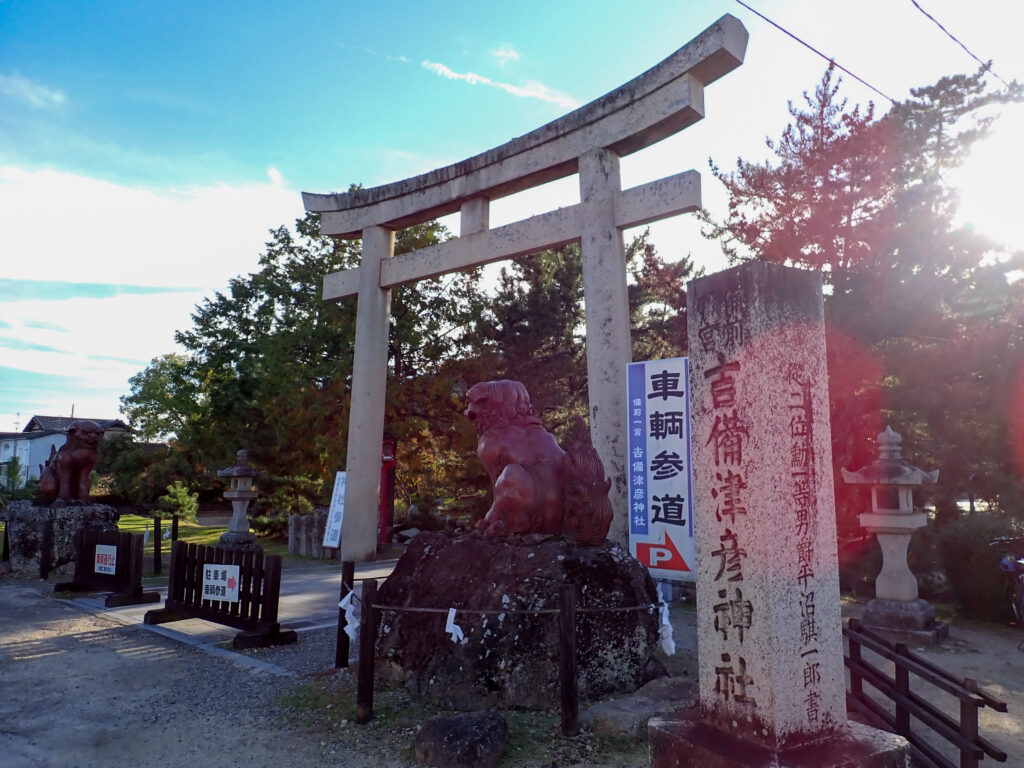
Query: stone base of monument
{"type": "Point", "coordinates": [690, 743]}
{"type": "Point", "coordinates": [43, 538]}
{"type": "Point", "coordinates": [236, 540]}
{"type": "Point", "coordinates": [912, 622]}
{"type": "Point", "coordinates": [506, 596]}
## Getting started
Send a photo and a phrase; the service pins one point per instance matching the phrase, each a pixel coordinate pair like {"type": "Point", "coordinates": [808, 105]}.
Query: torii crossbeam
{"type": "Point", "coordinates": [589, 141]}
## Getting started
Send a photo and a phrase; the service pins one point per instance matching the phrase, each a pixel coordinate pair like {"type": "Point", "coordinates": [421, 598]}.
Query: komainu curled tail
{"type": "Point", "coordinates": [587, 511]}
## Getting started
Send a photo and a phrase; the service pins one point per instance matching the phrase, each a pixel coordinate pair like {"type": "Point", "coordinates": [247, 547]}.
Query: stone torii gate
{"type": "Point", "coordinates": [589, 141]}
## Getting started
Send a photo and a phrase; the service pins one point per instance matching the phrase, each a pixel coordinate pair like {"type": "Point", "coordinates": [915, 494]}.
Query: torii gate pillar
{"type": "Point", "coordinates": [660, 102]}
{"type": "Point", "coordinates": [607, 318]}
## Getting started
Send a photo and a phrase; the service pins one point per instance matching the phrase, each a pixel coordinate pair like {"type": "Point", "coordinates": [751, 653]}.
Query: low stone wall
{"type": "Point", "coordinates": [26, 524]}
{"type": "Point", "coordinates": [306, 535]}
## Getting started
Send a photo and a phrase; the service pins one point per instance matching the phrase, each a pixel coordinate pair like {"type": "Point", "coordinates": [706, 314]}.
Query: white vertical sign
{"type": "Point", "coordinates": [105, 559]}
{"type": "Point", "coordinates": [660, 471]}
{"type": "Point", "coordinates": [332, 531]}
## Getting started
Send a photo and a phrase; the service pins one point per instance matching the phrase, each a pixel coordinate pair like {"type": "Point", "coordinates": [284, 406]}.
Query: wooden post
{"type": "Point", "coordinates": [856, 683]}
{"type": "Point", "coordinates": [348, 574]}
{"type": "Point", "coordinates": [174, 527]}
{"type": "Point", "coordinates": [367, 642]}
{"type": "Point", "coordinates": [567, 661]}
{"type": "Point", "coordinates": [158, 564]}
{"type": "Point", "coordinates": [271, 588]}
{"type": "Point", "coordinates": [7, 545]}
{"type": "Point", "coordinates": [903, 688]}
{"type": "Point", "coordinates": [969, 725]}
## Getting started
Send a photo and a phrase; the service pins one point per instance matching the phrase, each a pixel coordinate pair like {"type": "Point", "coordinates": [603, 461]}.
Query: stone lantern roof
{"type": "Point", "coordinates": [242, 468]}
{"type": "Point", "coordinates": [890, 468]}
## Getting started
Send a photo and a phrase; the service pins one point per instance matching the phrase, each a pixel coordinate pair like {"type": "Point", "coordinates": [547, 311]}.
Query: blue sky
{"type": "Point", "coordinates": [146, 148]}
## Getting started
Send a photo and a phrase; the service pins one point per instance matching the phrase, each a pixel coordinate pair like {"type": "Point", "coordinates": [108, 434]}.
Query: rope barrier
{"type": "Point", "coordinates": [515, 611]}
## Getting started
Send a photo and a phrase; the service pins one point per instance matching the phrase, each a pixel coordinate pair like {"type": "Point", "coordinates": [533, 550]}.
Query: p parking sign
{"type": "Point", "coordinates": [660, 475]}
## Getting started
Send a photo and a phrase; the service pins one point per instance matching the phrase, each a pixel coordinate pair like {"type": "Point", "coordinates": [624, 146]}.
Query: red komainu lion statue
{"type": "Point", "coordinates": [66, 474]}
{"type": "Point", "coordinates": [538, 487]}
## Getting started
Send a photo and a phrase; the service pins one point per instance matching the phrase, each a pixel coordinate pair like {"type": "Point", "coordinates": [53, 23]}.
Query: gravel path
{"type": "Point", "coordinates": [79, 690]}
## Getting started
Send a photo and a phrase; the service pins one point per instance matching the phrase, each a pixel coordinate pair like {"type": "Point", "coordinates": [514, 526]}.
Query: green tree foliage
{"type": "Point", "coordinates": [179, 500]}
{"type": "Point", "coordinates": [165, 399]}
{"type": "Point", "coordinates": [138, 473]}
{"type": "Point", "coordinates": [13, 473]}
{"type": "Point", "coordinates": [657, 300]}
{"type": "Point", "coordinates": [267, 364]}
{"type": "Point", "coordinates": [922, 320]}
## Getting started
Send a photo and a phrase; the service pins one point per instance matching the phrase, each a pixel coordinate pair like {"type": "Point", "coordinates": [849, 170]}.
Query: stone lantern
{"type": "Point", "coordinates": [896, 612]}
{"type": "Point", "coordinates": [240, 494]}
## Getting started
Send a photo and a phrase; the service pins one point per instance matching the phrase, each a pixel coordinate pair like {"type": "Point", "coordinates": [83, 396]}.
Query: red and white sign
{"type": "Point", "coordinates": [105, 559]}
{"type": "Point", "coordinates": [220, 582]}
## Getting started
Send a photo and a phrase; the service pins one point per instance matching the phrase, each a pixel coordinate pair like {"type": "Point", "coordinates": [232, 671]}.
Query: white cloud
{"type": "Point", "coordinates": [85, 351]}
{"type": "Point", "coordinates": [529, 90]}
{"type": "Point", "coordinates": [506, 54]}
{"type": "Point", "coordinates": [62, 227]}
{"type": "Point", "coordinates": [65, 227]}
{"type": "Point", "coordinates": [35, 95]}
{"type": "Point", "coordinates": [94, 336]}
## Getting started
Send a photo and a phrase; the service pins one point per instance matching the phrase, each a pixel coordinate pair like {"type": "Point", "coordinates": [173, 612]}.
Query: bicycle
{"type": "Point", "coordinates": [1011, 562]}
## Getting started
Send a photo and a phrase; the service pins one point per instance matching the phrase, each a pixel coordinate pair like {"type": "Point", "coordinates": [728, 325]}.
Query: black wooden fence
{"type": "Point", "coordinates": [908, 704]}
{"type": "Point", "coordinates": [92, 572]}
{"type": "Point", "coordinates": [255, 610]}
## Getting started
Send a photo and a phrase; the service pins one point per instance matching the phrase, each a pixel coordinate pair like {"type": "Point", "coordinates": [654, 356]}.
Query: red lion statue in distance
{"type": "Point", "coordinates": [66, 474]}
{"type": "Point", "coordinates": [538, 487]}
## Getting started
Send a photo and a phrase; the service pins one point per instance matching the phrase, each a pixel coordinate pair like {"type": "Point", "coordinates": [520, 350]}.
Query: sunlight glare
{"type": "Point", "coordinates": [989, 181]}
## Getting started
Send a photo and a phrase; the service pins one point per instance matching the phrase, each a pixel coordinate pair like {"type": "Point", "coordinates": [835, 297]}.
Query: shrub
{"type": "Point", "coordinates": [179, 500]}
{"type": "Point", "coordinates": [274, 525]}
{"type": "Point", "coordinates": [972, 566]}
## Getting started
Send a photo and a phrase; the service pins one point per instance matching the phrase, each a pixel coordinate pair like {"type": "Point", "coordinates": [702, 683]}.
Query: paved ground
{"type": "Point", "coordinates": [83, 685]}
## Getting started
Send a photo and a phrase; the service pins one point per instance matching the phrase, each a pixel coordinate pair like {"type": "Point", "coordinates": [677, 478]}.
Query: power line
{"type": "Point", "coordinates": [829, 59]}
{"type": "Point", "coordinates": [984, 65]}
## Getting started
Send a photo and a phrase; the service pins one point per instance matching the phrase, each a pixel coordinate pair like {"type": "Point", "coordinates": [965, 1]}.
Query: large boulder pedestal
{"type": "Point", "coordinates": [509, 654]}
{"type": "Point", "coordinates": [44, 537]}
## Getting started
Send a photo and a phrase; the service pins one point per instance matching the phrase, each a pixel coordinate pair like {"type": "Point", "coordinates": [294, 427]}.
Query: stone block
{"type": "Point", "coordinates": [769, 628]}
{"type": "Point", "coordinates": [689, 743]}
{"type": "Point", "coordinates": [509, 654]}
{"type": "Point", "coordinates": [469, 740]}
{"type": "Point", "coordinates": [293, 534]}
{"type": "Point", "coordinates": [912, 622]}
{"type": "Point", "coordinates": [27, 523]}
{"type": "Point", "coordinates": [627, 716]}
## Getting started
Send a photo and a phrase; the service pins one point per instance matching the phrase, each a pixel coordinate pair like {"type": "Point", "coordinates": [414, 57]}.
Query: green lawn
{"type": "Point", "coordinates": [194, 533]}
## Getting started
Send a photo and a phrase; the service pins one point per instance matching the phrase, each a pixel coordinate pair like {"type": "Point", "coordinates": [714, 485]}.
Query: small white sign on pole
{"type": "Point", "coordinates": [332, 531]}
{"type": "Point", "coordinates": [660, 472]}
{"type": "Point", "coordinates": [220, 582]}
{"type": "Point", "coordinates": [106, 559]}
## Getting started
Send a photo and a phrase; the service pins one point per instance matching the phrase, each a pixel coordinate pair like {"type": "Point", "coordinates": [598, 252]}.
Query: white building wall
{"type": "Point", "coordinates": [38, 452]}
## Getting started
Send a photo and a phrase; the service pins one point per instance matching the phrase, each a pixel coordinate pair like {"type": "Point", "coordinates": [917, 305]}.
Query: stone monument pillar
{"type": "Point", "coordinates": [241, 493]}
{"type": "Point", "coordinates": [896, 612]}
{"type": "Point", "coordinates": [771, 680]}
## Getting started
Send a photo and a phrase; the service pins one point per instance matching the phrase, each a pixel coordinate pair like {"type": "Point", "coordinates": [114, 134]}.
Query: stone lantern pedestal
{"type": "Point", "coordinates": [241, 493]}
{"type": "Point", "coordinates": [896, 612]}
